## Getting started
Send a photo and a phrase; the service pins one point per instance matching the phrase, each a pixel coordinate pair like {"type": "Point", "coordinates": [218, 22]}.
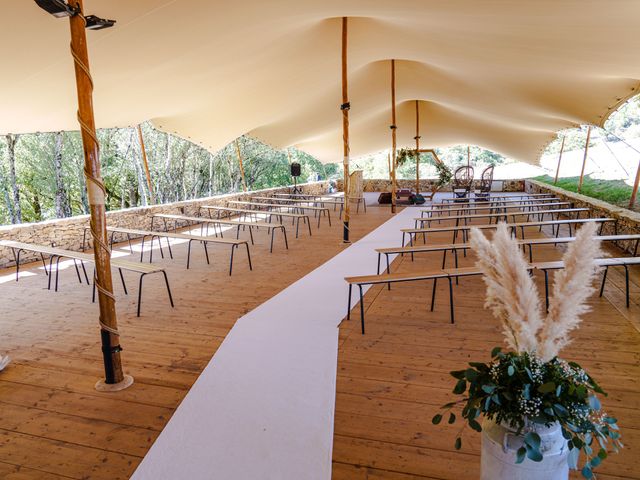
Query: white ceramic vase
{"type": "Point", "coordinates": [500, 444]}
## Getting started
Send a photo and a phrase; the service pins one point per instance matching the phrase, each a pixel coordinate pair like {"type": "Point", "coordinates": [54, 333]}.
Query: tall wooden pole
{"type": "Point", "coordinates": [145, 163]}
{"type": "Point", "coordinates": [468, 156]}
{"type": "Point", "coordinates": [244, 181]}
{"type": "Point", "coordinates": [345, 106]}
{"type": "Point", "coordinates": [417, 147]}
{"type": "Point", "coordinates": [635, 188]}
{"type": "Point", "coordinates": [393, 136]}
{"type": "Point", "coordinates": [584, 160]}
{"type": "Point", "coordinates": [559, 160]}
{"type": "Point", "coordinates": [114, 377]}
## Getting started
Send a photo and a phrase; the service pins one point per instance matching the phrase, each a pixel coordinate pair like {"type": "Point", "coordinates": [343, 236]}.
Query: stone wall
{"type": "Point", "coordinates": [67, 232]}
{"type": "Point", "coordinates": [628, 222]}
{"type": "Point", "coordinates": [384, 185]}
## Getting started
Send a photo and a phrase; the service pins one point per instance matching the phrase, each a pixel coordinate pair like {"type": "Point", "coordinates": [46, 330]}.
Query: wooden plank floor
{"type": "Point", "coordinates": [392, 380]}
{"type": "Point", "coordinates": [54, 424]}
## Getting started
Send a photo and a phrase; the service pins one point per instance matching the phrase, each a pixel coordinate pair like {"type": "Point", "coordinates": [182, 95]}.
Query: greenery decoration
{"type": "Point", "coordinates": [515, 388]}
{"type": "Point", "coordinates": [444, 174]}
{"type": "Point", "coordinates": [530, 385]}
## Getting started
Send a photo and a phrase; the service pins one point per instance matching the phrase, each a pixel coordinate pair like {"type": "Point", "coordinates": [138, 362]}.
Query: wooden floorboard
{"type": "Point", "coordinates": [392, 380]}
{"type": "Point", "coordinates": [54, 424]}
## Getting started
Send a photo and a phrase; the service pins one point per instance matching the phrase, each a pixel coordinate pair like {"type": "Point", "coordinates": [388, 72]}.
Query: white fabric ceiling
{"type": "Point", "coordinates": [504, 75]}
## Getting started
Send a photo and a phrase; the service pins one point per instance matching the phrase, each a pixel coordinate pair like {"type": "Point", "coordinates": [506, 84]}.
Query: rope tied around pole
{"type": "Point", "coordinates": [393, 127]}
{"type": "Point", "coordinates": [96, 191]}
{"type": "Point", "coordinates": [345, 106]}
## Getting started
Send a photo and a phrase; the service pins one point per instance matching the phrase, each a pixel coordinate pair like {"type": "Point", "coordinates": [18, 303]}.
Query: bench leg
{"type": "Point", "coordinates": [46, 272]}
{"type": "Point", "coordinates": [361, 309]}
{"type": "Point", "coordinates": [546, 290]}
{"type": "Point", "coordinates": [140, 293]}
{"type": "Point", "coordinates": [284, 232]}
{"type": "Point", "coordinates": [604, 279]}
{"type": "Point", "coordinates": [251, 234]}
{"type": "Point", "coordinates": [248, 256]}
{"type": "Point", "coordinates": [166, 281]}
{"type": "Point", "coordinates": [626, 282]}
{"type": "Point", "coordinates": [451, 307]}
{"type": "Point", "coordinates": [309, 224]}
{"type": "Point", "coordinates": [124, 285]}
{"type": "Point", "coordinates": [273, 231]}
{"type": "Point", "coordinates": [297, 226]}
{"type": "Point", "coordinates": [349, 303]}
{"type": "Point", "coordinates": [16, 257]}
{"type": "Point", "coordinates": [378, 269]}
{"type": "Point", "coordinates": [75, 265]}
{"type": "Point", "coordinates": [84, 270]}
{"type": "Point", "coordinates": [188, 254]}
{"type": "Point", "coordinates": [233, 247]}
{"type": "Point", "coordinates": [433, 294]}
{"type": "Point", "coordinates": [57, 272]}
{"type": "Point", "coordinates": [206, 252]}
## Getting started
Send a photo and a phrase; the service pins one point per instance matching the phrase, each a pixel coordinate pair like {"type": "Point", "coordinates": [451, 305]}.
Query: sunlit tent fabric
{"type": "Point", "coordinates": [504, 75]}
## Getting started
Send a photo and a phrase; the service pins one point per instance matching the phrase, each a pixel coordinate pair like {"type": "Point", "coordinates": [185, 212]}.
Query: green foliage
{"type": "Point", "coordinates": [444, 174]}
{"type": "Point", "coordinates": [180, 170]}
{"type": "Point", "coordinates": [518, 389]}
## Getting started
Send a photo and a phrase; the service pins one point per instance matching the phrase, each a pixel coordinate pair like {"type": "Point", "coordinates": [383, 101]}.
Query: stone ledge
{"type": "Point", "coordinates": [67, 233]}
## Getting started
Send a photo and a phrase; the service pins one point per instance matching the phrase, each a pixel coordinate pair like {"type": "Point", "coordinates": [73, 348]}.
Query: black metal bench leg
{"type": "Point", "coordinates": [308, 221]}
{"type": "Point", "coordinates": [273, 231]}
{"type": "Point", "coordinates": [75, 265]}
{"type": "Point", "coordinates": [361, 309]}
{"type": "Point", "coordinates": [140, 293]}
{"type": "Point", "coordinates": [297, 226]}
{"type": "Point", "coordinates": [124, 285]}
{"type": "Point", "coordinates": [349, 303]}
{"type": "Point", "coordinates": [248, 256]}
{"type": "Point", "coordinates": [284, 232]}
{"type": "Point", "coordinates": [604, 279]}
{"type": "Point", "coordinates": [233, 247]}
{"type": "Point", "coordinates": [188, 254]}
{"type": "Point", "coordinates": [166, 281]}
{"type": "Point", "coordinates": [451, 307]}
{"type": "Point", "coordinates": [433, 294]}
{"type": "Point", "coordinates": [16, 257]}
{"type": "Point", "coordinates": [626, 282]}
{"type": "Point", "coordinates": [57, 272]}
{"type": "Point", "coordinates": [546, 290]}
{"type": "Point", "coordinates": [378, 268]}
{"type": "Point", "coordinates": [206, 252]}
{"type": "Point", "coordinates": [46, 272]}
{"type": "Point", "coordinates": [84, 270]}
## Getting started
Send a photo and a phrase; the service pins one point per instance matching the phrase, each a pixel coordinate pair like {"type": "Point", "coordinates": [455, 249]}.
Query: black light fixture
{"type": "Point", "coordinates": [97, 23]}
{"type": "Point", "coordinates": [60, 8]}
{"type": "Point", "coordinates": [57, 8]}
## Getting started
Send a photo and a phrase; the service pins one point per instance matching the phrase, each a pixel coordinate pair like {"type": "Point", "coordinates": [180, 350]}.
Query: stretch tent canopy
{"type": "Point", "coordinates": [501, 74]}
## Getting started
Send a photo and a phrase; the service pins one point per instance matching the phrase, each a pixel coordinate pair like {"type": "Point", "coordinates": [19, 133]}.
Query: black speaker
{"type": "Point", "coordinates": [296, 171]}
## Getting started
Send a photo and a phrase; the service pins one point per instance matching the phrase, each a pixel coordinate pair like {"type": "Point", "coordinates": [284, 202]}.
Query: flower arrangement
{"type": "Point", "coordinates": [529, 384]}
{"type": "Point", "coordinates": [444, 173]}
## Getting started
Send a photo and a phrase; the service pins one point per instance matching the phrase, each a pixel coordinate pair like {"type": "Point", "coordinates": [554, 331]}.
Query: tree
{"type": "Point", "coordinates": [11, 157]}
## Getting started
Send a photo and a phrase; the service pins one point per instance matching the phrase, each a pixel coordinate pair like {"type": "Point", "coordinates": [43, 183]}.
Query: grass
{"type": "Point", "coordinates": [615, 192]}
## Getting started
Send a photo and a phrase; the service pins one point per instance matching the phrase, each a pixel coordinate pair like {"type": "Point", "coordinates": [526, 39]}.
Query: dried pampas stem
{"type": "Point", "coordinates": [512, 295]}
{"type": "Point", "coordinates": [572, 286]}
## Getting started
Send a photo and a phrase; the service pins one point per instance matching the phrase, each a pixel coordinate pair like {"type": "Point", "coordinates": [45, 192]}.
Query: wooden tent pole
{"type": "Point", "coordinates": [559, 160]}
{"type": "Point", "coordinates": [244, 181]}
{"type": "Point", "coordinates": [468, 156]}
{"type": "Point", "coordinates": [393, 136]}
{"type": "Point", "coordinates": [635, 188]}
{"type": "Point", "coordinates": [146, 165]}
{"type": "Point", "coordinates": [114, 377]}
{"type": "Point", "coordinates": [584, 160]}
{"type": "Point", "coordinates": [345, 106]}
{"type": "Point", "coordinates": [417, 147]}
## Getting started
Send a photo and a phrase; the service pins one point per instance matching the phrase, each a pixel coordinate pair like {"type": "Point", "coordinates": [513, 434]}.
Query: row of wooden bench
{"type": "Point", "coordinates": [456, 273]}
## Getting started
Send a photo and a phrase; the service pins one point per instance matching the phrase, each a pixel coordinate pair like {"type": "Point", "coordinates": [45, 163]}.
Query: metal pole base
{"type": "Point", "coordinates": [102, 386]}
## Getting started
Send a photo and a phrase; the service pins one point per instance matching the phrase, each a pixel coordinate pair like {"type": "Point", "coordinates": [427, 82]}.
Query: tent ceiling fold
{"type": "Point", "coordinates": [504, 75]}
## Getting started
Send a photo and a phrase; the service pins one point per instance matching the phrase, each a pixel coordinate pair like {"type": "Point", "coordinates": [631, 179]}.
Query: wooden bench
{"type": "Point", "coordinates": [521, 201]}
{"type": "Point", "coordinates": [491, 208]}
{"type": "Point", "coordinates": [179, 236]}
{"type": "Point", "coordinates": [464, 229]}
{"type": "Point", "coordinates": [319, 211]}
{"type": "Point", "coordinates": [271, 228]}
{"type": "Point", "coordinates": [243, 212]}
{"type": "Point", "coordinates": [456, 273]}
{"type": "Point", "coordinates": [55, 254]}
{"type": "Point", "coordinates": [498, 216]}
{"type": "Point", "coordinates": [605, 263]}
{"type": "Point", "coordinates": [455, 247]}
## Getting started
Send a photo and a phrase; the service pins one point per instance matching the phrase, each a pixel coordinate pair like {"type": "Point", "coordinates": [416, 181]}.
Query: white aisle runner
{"type": "Point", "coordinates": [263, 407]}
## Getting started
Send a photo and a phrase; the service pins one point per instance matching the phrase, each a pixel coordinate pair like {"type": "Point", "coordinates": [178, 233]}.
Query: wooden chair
{"type": "Point", "coordinates": [462, 182]}
{"type": "Point", "coordinates": [486, 180]}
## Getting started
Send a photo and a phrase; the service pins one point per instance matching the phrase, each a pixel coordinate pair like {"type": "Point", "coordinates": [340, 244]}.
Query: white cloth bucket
{"type": "Point", "coordinates": [499, 447]}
